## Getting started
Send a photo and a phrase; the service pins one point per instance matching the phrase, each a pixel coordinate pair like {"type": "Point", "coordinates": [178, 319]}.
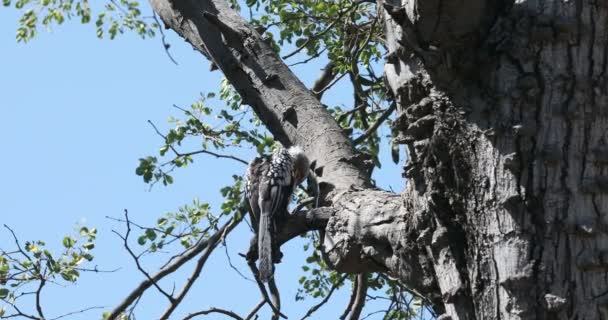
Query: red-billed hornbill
{"type": "Point", "coordinates": [270, 182]}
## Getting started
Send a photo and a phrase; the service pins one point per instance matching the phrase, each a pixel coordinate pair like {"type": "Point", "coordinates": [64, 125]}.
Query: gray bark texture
{"type": "Point", "coordinates": [502, 108]}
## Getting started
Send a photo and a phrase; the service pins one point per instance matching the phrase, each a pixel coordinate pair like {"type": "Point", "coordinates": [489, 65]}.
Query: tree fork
{"type": "Point", "coordinates": [294, 116]}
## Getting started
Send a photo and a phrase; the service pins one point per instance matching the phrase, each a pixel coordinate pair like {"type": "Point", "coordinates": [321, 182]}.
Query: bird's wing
{"type": "Point", "coordinates": [252, 181]}
{"type": "Point", "coordinates": [277, 185]}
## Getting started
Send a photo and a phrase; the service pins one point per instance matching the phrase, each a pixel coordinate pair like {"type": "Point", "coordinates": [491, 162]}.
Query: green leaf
{"type": "Point", "coordinates": [3, 293]}
{"type": "Point", "coordinates": [395, 152]}
{"type": "Point", "coordinates": [142, 240]}
{"type": "Point", "coordinates": [150, 234]}
{"type": "Point", "coordinates": [163, 150]}
{"type": "Point", "coordinates": [68, 242]}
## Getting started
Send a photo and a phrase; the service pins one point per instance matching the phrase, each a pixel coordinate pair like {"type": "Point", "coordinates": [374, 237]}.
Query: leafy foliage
{"type": "Point", "coordinates": [346, 33]}
{"type": "Point", "coordinates": [27, 269]}
{"type": "Point", "coordinates": [111, 19]}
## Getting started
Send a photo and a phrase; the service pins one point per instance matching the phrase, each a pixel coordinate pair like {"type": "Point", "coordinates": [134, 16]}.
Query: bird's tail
{"type": "Point", "coordinates": [265, 247]}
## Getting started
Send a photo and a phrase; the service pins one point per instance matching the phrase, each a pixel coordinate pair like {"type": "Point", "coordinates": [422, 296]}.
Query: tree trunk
{"type": "Point", "coordinates": [502, 108]}
{"type": "Point", "coordinates": [505, 126]}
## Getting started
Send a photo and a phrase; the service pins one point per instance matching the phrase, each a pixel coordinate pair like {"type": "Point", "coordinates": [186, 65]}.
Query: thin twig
{"type": "Point", "coordinates": [314, 56]}
{"type": "Point", "coordinates": [179, 154]}
{"type": "Point", "coordinates": [214, 310]}
{"type": "Point", "coordinates": [376, 124]}
{"type": "Point", "coordinates": [166, 45]}
{"type": "Point", "coordinates": [77, 312]}
{"type": "Point", "coordinates": [255, 272]}
{"type": "Point", "coordinates": [125, 240]}
{"type": "Point", "coordinates": [324, 301]}
{"type": "Point", "coordinates": [169, 269]}
{"type": "Point", "coordinates": [232, 265]}
{"type": "Point", "coordinates": [327, 75]}
{"type": "Point", "coordinates": [17, 243]}
{"type": "Point", "coordinates": [324, 31]}
{"type": "Point", "coordinates": [255, 309]}
{"type": "Point", "coordinates": [329, 85]}
{"type": "Point", "coordinates": [195, 274]}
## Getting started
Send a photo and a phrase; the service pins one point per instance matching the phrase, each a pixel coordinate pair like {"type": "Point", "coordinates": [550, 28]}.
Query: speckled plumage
{"type": "Point", "coordinates": [270, 181]}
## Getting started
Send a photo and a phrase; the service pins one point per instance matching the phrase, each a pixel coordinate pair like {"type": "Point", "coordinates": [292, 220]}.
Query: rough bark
{"type": "Point", "coordinates": [508, 146]}
{"type": "Point", "coordinates": [502, 108]}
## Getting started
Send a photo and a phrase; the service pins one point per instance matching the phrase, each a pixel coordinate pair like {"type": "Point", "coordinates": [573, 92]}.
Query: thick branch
{"type": "Point", "coordinates": [327, 75]}
{"type": "Point", "coordinates": [287, 108]}
{"type": "Point", "coordinates": [367, 230]}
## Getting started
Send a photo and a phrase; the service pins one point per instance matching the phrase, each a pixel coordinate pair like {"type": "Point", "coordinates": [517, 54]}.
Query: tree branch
{"type": "Point", "coordinates": [288, 109]}
{"type": "Point", "coordinates": [324, 31]}
{"type": "Point", "coordinates": [38, 292]}
{"type": "Point", "coordinates": [351, 301]}
{"type": "Point", "coordinates": [195, 274]}
{"type": "Point", "coordinates": [179, 154]}
{"type": "Point", "coordinates": [328, 74]}
{"type": "Point", "coordinates": [76, 312]}
{"type": "Point", "coordinates": [376, 124]}
{"type": "Point", "coordinates": [255, 309]}
{"type": "Point", "coordinates": [214, 310]}
{"type": "Point", "coordinates": [275, 296]}
{"type": "Point", "coordinates": [360, 297]}
{"type": "Point", "coordinates": [255, 271]}
{"type": "Point", "coordinates": [324, 301]}
{"type": "Point", "coordinates": [293, 115]}
{"type": "Point", "coordinates": [191, 253]}
{"type": "Point", "coordinates": [125, 240]}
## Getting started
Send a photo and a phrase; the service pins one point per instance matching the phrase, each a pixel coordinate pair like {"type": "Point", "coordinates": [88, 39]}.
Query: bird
{"type": "Point", "coordinates": [269, 184]}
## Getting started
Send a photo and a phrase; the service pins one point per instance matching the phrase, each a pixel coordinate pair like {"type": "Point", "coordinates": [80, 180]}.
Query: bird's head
{"type": "Point", "coordinates": [300, 163]}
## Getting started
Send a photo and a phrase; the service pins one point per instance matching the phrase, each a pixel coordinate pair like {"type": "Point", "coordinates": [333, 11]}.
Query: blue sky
{"type": "Point", "coordinates": [74, 113]}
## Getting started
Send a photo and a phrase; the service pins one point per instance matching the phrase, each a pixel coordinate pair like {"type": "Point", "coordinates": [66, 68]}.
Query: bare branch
{"type": "Point", "coordinates": [276, 297]}
{"type": "Point", "coordinates": [232, 265]}
{"type": "Point", "coordinates": [327, 75]}
{"type": "Point", "coordinates": [360, 298]}
{"type": "Point", "coordinates": [77, 312]}
{"type": "Point", "coordinates": [376, 124]}
{"type": "Point", "coordinates": [314, 56]}
{"type": "Point", "coordinates": [166, 45]}
{"type": "Point", "coordinates": [255, 309]}
{"type": "Point", "coordinates": [351, 301]}
{"type": "Point", "coordinates": [322, 91]}
{"type": "Point", "coordinates": [19, 313]}
{"type": "Point", "coordinates": [214, 310]}
{"type": "Point", "coordinates": [256, 273]}
{"type": "Point", "coordinates": [125, 240]}
{"type": "Point", "coordinates": [191, 253]}
{"type": "Point", "coordinates": [17, 243]}
{"type": "Point", "coordinates": [195, 274]}
{"type": "Point", "coordinates": [38, 292]}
